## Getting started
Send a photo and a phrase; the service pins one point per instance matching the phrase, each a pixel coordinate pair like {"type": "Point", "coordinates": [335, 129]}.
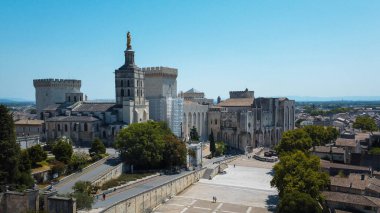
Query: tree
{"type": "Point", "coordinates": [78, 161]}
{"type": "Point", "coordinates": [321, 135]}
{"type": "Point", "coordinates": [299, 172]}
{"type": "Point", "coordinates": [220, 148]}
{"type": "Point", "coordinates": [194, 134]}
{"type": "Point", "coordinates": [62, 150]}
{"type": "Point", "coordinates": [365, 123]}
{"type": "Point", "coordinates": [298, 202]}
{"type": "Point", "coordinates": [293, 140]}
{"type": "Point", "coordinates": [12, 161]}
{"type": "Point", "coordinates": [143, 144]}
{"type": "Point", "coordinates": [212, 143]}
{"type": "Point", "coordinates": [97, 147]}
{"type": "Point", "coordinates": [36, 154]}
{"type": "Point", "coordinates": [174, 153]}
{"type": "Point", "coordinates": [82, 193]}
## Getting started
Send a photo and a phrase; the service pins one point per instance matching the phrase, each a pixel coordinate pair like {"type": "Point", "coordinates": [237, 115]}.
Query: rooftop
{"type": "Point", "coordinates": [345, 142]}
{"type": "Point", "coordinates": [326, 149]}
{"type": "Point", "coordinates": [93, 107]}
{"type": "Point", "coordinates": [29, 122]}
{"type": "Point", "coordinates": [236, 102]}
{"type": "Point", "coordinates": [352, 199]}
{"type": "Point", "coordinates": [72, 119]}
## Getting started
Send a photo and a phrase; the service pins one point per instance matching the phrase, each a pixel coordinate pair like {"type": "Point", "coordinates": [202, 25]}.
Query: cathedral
{"type": "Point", "coordinates": [67, 114]}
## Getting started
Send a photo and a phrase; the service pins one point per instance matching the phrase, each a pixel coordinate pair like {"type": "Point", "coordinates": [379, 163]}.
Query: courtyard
{"type": "Point", "coordinates": [245, 187]}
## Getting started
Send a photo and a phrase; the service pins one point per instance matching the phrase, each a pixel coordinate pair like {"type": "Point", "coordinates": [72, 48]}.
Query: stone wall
{"type": "Point", "coordinates": [109, 175]}
{"type": "Point", "coordinates": [61, 205]}
{"type": "Point", "coordinates": [19, 202]}
{"type": "Point", "coordinates": [146, 201]}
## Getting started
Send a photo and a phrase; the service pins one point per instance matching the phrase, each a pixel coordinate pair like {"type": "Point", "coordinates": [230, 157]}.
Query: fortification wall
{"type": "Point", "coordinates": [242, 94]}
{"type": "Point", "coordinates": [16, 202]}
{"type": "Point", "coordinates": [146, 201]}
{"type": "Point", "coordinates": [160, 71]}
{"type": "Point", "coordinates": [51, 91]}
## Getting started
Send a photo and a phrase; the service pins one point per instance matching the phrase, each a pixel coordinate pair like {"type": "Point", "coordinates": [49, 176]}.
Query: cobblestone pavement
{"type": "Point", "coordinates": [244, 188]}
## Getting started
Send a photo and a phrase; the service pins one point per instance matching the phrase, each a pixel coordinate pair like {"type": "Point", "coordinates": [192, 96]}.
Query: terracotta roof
{"type": "Point", "coordinates": [352, 181]}
{"type": "Point", "coordinates": [326, 149]}
{"type": "Point", "coordinates": [327, 164]}
{"type": "Point", "coordinates": [345, 142]}
{"type": "Point", "coordinates": [29, 122]}
{"type": "Point", "coordinates": [93, 107]}
{"type": "Point", "coordinates": [72, 119]}
{"type": "Point", "coordinates": [236, 102]}
{"type": "Point", "coordinates": [361, 136]}
{"type": "Point", "coordinates": [351, 199]}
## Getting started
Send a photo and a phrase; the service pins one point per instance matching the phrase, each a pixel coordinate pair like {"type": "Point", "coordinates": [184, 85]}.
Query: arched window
{"type": "Point", "coordinates": [75, 98]}
{"type": "Point", "coordinates": [75, 127]}
{"type": "Point", "coordinates": [129, 93]}
{"type": "Point", "coordinates": [59, 127]}
{"type": "Point", "coordinates": [65, 127]}
{"type": "Point", "coordinates": [85, 127]}
{"type": "Point", "coordinates": [69, 98]}
{"type": "Point", "coordinates": [122, 93]}
{"type": "Point", "coordinates": [128, 84]}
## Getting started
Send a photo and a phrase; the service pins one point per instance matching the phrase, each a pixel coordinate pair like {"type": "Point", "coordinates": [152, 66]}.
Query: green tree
{"type": "Point", "coordinates": [36, 154]}
{"type": "Point", "coordinates": [365, 123]}
{"type": "Point", "coordinates": [298, 202]}
{"type": "Point", "coordinates": [10, 154]}
{"type": "Point", "coordinates": [293, 140]}
{"type": "Point", "coordinates": [174, 152]}
{"type": "Point", "coordinates": [97, 147]}
{"type": "Point", "coordinates": [194, 134]}
{"type": "Point", "coordinates": [299, 172]}
{"type": "Point", "coordinates": [82, 193]}
{"type": "Point", "coordinates": [212, 144]}
{"type": "Point", "coordinates": [220, 148]}
{"type": "Point", "coordinates": [321, 135]}
{"type": "Point", "coordinates": [142, 144]}
{"type": "Point", "coordinates": [62, 150]}
{"type": "Point", "coordinates": [78, 161]}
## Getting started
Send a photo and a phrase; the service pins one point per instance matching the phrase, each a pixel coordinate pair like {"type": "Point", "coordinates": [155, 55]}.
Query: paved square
{"type": "Point", "coordinates": [244, 188]}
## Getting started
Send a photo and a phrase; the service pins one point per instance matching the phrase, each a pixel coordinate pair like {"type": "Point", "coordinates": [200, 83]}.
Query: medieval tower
{"type": "Point", "coordinates": [129, 86]}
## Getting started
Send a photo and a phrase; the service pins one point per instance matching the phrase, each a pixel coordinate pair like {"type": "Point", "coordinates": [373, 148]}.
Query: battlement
{"type": "Point", "coordinates": [50, 82]}
{"type": "Point", "coordinates": [160, 71]}
{"type": "Point", "coordinates": [242, 94]}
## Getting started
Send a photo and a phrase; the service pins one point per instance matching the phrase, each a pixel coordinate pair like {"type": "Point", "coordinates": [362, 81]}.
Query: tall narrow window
{"type": "Point", "coordinates": [85, 127]}
{"type": "Point", "coordinates": [65, 127]}
{"type": "Point", "coordinates": [75, 98]}
{"type": "Point", "coordinates": [129, 93]}
{"type": "Point", "coordinates": [122, 93]}
{"type": "Point", "coordinates": [128, 83]}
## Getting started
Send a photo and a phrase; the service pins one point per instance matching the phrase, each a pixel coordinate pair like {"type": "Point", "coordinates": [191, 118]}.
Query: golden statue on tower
{"type": "Point", "coordinates": [129, 38]}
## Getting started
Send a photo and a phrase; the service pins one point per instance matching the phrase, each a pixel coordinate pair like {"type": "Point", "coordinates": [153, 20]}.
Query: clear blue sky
{"type": "Point", "coordinates": [276, 48]}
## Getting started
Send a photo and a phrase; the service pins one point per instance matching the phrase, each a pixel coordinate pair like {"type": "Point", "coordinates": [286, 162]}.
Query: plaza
{"type": "Point", "coordinates": [244, 187]}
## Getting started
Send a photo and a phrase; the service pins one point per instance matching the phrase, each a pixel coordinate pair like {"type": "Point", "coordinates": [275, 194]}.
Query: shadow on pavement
{"type": "Point", "coordinates": [271, 202]}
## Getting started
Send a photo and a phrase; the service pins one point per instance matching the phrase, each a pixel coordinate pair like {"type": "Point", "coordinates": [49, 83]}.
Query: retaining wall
{"type": "Point", "coordinates": [109, 175]}
{"type": "Point", "coordinates": [146, 201]}
{"type": "Point", "coordinates": [19, 202]}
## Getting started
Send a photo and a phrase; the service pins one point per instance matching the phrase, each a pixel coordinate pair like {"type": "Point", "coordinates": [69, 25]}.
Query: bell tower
{"type": "Point", "coordinates": [129, 86]}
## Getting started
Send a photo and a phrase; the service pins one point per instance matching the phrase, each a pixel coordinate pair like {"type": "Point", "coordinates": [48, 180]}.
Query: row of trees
{"type": "Point", "coordinates": [298, 176]}
{"type": "Point", "coordinates": [151, 145]}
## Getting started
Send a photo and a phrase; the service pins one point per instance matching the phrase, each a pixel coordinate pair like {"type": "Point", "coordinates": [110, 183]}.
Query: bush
{"type": "Point", "coordinates": [63, 150]}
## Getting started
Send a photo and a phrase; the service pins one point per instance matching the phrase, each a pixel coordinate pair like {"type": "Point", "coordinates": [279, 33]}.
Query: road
{"type": "Point", "coordinates": [134, 189]}
{"type": "Point", "coordinates": [88, 174]}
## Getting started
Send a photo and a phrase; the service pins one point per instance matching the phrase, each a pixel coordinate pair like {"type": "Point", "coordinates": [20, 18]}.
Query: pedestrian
{"type": "Point", "coordinates": [215, 199]}
{"type": "Point", "coordinates": [104, 196]}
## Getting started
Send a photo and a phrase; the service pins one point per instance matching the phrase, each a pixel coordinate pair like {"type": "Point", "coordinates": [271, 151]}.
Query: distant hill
{"type": "Point", "coordinates": [342, 98]}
